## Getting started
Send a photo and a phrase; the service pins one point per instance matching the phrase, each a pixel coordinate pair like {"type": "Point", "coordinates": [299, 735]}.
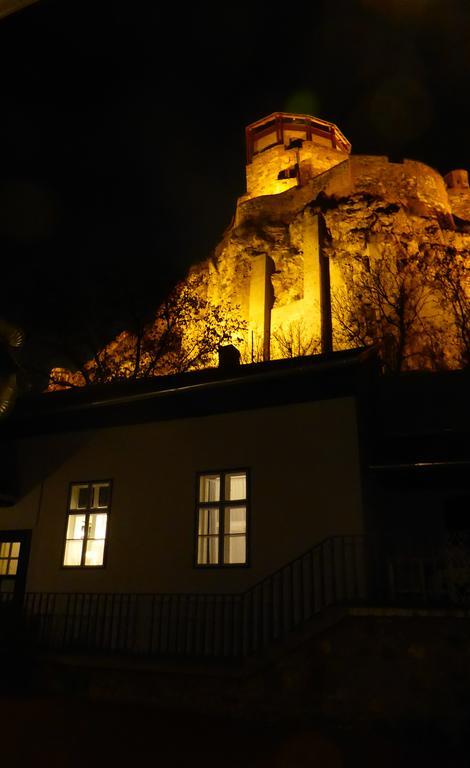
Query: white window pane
{"type": "Point", "coordinates": [201, 550]}
{"type": "Point", "coordinates": [15, 549]}
{"type": "Point", "coordinates": [97, 526]}
{"type": "Point", "coordinates": [79, 497]}
{"type": "Point", "coordinates": [76, 527]}
{"type": "Point", "coordinates": [235, 486]}
{"type": "Point", "coordinates": [73, 553]}
{"type": "Point", "coordinates": [208, 521]}
{"type": "Point", "coordinates": [3, 567]}
{"type": "Point", "coordinates": [4, 549]}
{"type": "Point", "coordinates": [13, 567]}
{"type": "Point", "coordinates": [94, 552]}
{"type": "Point", "coordinates": [235, 549]}
{"type": "Point", "coordinates": [235, 520]}
{"type": "Point", "coordinates": [208, 550]}
{"type": "Point", "coordinates": [100, 495]}
{"type": "Point", "coordinates": [209, 488]}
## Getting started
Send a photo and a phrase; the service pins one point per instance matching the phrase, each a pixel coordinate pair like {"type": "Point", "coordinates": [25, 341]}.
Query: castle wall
{"type": "Point", "coordinates": [376, 210]}
{"type": "Point", "coordinates": [414, 185]}
{"type": "Point", "coordinates": [311, 158]}
{"type": "Point", "coordinates": [459, 200]}
{"type": "Point", "coordinates": [335, 182]}
{"type": "Point", "coordinates": [262, 173]}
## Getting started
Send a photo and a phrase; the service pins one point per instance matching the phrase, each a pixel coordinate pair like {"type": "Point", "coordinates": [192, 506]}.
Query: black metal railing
{"type": "Point", "coordinates": [6, 598]}
{"type": "Point", "coordinates": [202, 625]}
{"type": "Point", "coordinates": [341, 570]}
{"type": "Point", "coordinates": [330, 573]}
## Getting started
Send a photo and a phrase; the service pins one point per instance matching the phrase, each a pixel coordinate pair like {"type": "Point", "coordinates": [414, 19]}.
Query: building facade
{"type": "Point", "coordinates": [217, 512]}
{"type": "Point", "coordinates": [190, 501]}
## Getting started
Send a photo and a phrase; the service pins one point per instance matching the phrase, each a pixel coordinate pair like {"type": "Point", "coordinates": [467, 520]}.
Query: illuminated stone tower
{"type": "Point", "coordinates": [289, 286]}
{"type": "Point", "coordinates": [286, 150]}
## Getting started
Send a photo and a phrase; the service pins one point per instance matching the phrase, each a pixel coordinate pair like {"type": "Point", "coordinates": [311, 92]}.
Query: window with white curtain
{"type": "Point", "coordinates": [222, 518]}
{"type": "Point", "coordinates": [87, 523]}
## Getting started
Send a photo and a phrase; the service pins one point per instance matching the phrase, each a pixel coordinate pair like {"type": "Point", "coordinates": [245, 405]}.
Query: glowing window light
{"type": "Point", "coordinates": [9, 557]}
{"type": "Point", "coordinates": [222, 519]}
{"type": "Point", "coordinates": [87, 522]}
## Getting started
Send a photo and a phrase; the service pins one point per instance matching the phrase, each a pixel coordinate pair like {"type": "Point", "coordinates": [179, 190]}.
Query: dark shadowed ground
{"type": "Point", "coordinates": [60, 731]}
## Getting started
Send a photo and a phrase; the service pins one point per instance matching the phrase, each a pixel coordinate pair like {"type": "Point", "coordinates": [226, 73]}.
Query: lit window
{"type": "Point", "coordinates": [222, 518]}
{"type": "Point", "coordinates": [87, 521]}
{"type": "Point", "coordinates": [9, 557]}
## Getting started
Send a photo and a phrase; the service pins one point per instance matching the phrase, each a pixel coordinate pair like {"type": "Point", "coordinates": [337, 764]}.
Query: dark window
{"type": "Point", "coordinates": [288, 173]}
{"type": "Point", "coordinates": [87, 522]}
{"type": "Point", "coordinates": [295, 144]}
{"type": "Point", "coordinates": [222, 512]}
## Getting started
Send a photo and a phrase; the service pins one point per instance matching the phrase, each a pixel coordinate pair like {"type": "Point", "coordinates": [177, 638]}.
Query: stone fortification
{"type": "Point", "coordinates": [307, 256]}
{"type": "Point", "coordinates": [326, 251]}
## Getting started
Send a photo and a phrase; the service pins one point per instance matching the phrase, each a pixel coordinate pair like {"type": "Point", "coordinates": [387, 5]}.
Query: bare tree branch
{"type": "Point", "coordinates": [184, 334]}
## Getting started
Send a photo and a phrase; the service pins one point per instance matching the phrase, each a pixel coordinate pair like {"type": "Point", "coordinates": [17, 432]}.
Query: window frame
{"type": "Point", "coordinates": [23, 537]}
{"type": "Point", "coordinates": [222, 504]}
{"type": "Point", "coordinates": [9, 559]}
{"type": "Point", "coordinates": [83, 566]}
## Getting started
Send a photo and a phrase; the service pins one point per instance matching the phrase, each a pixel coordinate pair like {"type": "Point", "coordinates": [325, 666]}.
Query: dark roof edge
{"type": "Point", "coordinates": [194, 394]}
{"type": "Point", "coordinates": [106, 395]}
{"type": "Point", "coordinates": [255, 376]}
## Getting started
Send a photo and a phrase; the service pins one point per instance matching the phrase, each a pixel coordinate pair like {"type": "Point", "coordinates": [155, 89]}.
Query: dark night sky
{"type": "Point", "coordinates": [122, 129]}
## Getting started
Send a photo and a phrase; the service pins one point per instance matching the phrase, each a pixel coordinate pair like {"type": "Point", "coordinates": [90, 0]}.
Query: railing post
{"type": "Point", "coordinates": [344, 569]}
{"type": "Point", "coordinates": [322, 576]}
{"type": "Point", "coordinates": [354, 568]}
{"type": "Point", "coordinates": [334, 591]}
{"type": "Point", "coordinates": [291, 614]}
{"type": "Point", "coordinates": [246, 633]}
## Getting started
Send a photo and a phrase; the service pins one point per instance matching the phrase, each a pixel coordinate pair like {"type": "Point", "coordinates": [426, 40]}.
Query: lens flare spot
{"type": "Point", "coordinates": [303, 102]}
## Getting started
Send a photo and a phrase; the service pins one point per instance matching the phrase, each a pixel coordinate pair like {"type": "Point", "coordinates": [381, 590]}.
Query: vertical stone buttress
{"type": "Point", "coordinates": [317, 299]}
{"type": "Point", "coordinates": [260, 305]}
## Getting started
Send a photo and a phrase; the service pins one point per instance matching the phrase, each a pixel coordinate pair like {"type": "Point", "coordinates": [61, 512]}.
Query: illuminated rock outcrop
{"type": "Point", "coordinates": [329, 250]}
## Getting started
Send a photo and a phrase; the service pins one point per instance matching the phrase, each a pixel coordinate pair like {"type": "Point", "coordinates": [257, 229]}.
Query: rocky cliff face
{"type": "Point", "coordinates": [398, 262]}
{"type": "Point", "coordinates": [326, 251]}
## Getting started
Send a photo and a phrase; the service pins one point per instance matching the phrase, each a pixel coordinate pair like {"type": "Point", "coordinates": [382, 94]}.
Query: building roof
{"type": "Point", "coordinates": [412, 420]}
{"type": "Point", "coordinates": [316, 124]}
{"type": "Point", "coordinates": [12, 6]}
{"type": "Point", "coordinates": [197, 393]}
